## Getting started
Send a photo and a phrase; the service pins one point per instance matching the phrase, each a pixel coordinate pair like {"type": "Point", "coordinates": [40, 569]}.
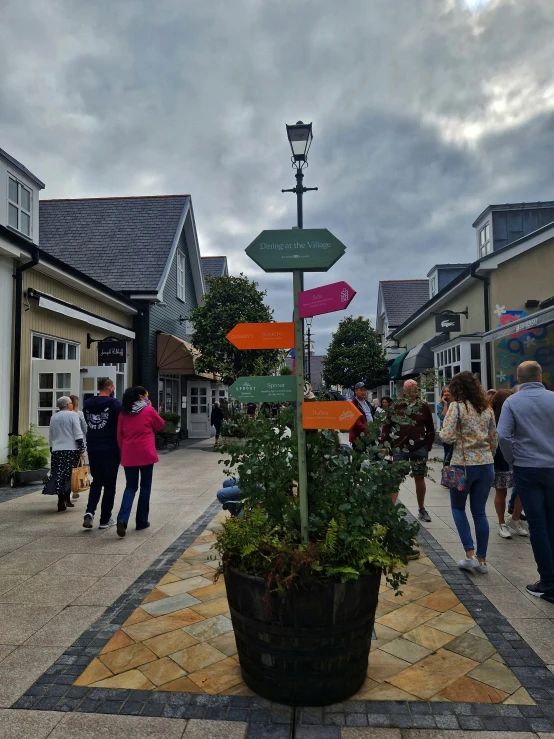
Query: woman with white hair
{"type": "Point", "coordinates": [67, 445]}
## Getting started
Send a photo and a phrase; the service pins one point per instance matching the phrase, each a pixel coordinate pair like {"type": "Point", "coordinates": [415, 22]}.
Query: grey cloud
{"type": "Point", "coordinates": [423, 114]}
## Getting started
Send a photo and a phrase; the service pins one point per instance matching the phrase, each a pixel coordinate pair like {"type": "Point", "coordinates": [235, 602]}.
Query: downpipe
{"type": "Point", "coordinates": [486, 308]}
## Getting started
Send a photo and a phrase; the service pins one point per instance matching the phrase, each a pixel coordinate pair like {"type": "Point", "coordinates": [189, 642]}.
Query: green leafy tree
{"type": "Point", "coordinates": [285, 370]}
{"type": "Point", "coordinates": [355, 355]}
{"type": "Point", "coordinates": [231, 300]}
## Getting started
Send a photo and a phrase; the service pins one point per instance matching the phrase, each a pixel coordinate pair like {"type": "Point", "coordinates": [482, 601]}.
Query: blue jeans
{"type": "Point", "coordinates": [143, 505]}
{"type": "Point", "coordinates": [479, 479]}
{"type": "Point", "coordinates": [229, 491]}
{"type": "Point", "coordinates": [535, 487]}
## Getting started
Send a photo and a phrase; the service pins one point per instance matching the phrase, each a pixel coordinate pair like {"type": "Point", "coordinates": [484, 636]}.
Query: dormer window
{"type": "Point", "coordinates": [485, 246]}
{"type": "Point", "coordinates": [433, 286]}
{"type": "Point", "coordinates": [19, 206]}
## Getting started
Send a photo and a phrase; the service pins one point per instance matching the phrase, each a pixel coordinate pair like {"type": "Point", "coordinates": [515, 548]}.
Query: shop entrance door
{"type": "Point", "coordinates": [89, 379]}
{"type": "Point", "coordinates": [199, 410]}
{"type": "Point", "coordinates": [50, 380]}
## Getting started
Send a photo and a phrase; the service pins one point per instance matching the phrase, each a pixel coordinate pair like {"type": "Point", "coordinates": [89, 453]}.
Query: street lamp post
{"type": "Point", "coordinates": [300, 138]}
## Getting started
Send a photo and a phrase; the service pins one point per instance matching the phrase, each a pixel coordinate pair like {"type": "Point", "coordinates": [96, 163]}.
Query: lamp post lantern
{"type": "Point", "coordinates": [300, 137]}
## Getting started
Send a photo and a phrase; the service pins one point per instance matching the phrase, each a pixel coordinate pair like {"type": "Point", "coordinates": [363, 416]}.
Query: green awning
{"type": "Point", "coordinates": [395, 372]}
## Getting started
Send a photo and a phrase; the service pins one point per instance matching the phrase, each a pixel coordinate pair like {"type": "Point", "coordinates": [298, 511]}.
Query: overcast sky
{"type": "Point", "coordinates": [424, 112]}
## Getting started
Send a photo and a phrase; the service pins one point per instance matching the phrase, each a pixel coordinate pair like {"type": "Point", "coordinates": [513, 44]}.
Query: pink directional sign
{"type": "Point", "coordinates": [325, 299]}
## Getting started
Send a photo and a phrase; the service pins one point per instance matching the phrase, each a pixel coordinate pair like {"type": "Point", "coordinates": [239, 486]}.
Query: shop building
{"type": "Point", "coordinates": [147, 249]}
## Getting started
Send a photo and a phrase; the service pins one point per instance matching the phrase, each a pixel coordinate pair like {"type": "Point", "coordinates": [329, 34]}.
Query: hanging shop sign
{"type": "Point", "coordinates": [112, 352]}
{"type": "Point", "coordinates": [446, 323]}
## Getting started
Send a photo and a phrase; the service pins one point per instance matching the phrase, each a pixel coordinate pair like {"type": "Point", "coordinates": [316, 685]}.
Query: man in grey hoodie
{"type": "Point", "coordinates": [526, 438]}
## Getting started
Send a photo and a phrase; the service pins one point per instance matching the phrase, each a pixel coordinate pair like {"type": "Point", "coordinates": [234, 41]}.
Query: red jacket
{"type": "Point", "coordinates": [135, 436]}
{"type": "Point", "coordinates": [360, 427]}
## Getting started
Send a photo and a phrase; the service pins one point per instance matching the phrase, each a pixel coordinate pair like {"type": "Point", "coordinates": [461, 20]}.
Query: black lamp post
{"type": "Point", "coordinates": [300, 138]}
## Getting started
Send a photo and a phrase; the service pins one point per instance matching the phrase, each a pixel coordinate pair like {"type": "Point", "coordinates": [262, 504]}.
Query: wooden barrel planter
{"type": "Point", "coordinates": [308, 647]}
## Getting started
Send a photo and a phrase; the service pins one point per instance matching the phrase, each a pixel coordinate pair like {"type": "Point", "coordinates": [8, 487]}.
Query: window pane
{"type": "Point", "coordinates": [25, 199]}
{"type": "Point", "coordinates": [12, 191]}
{"type": "Point", "coordinates": [88, 384]}
{"type": "Point", "coordinates": [458, 353]}
{"type": "Point", "coordinates": [25, 226]}
{"type": "Point", "coordinates": [44, 418]}
{"type": "Point", "coordinates": [37, 347]}
{"type": "Point", "coordinates": [49, 348]}
{"type": "Point", "coordinates": [476, 368]}
{"type": "Point", "coordinates": [203, 392]}
{"type": "Point", "coordinates": [476, 351]}
{"type": "Point", "coordinates": [46, 381]}
{"type": "Point", "coordinates": [60, 350]}
{"type": "Point", "coordinates": [63, 380]}
{"type": "Point", "coordinates": [456, 369]}
{"type": "Point", "coordinates": [119, 386]}
{"type": "Point", "coordinates": [45, 400]}
{"type": "Point", "coordinates": [12, 216]}
{"type": "Point", "coordinates": [194, 391]}
{"type": "Point", "coordinates": [71, 351]}
{"type": "Point", "coordinates": [203, 409]}
{"type": "Point", "coordinates": [448, 373]}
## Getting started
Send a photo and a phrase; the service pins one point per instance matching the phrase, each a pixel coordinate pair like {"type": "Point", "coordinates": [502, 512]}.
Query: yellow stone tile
{"type": "Point", "coordinates": [462, 609]}
{"type": "Point", "coordinates": [133, 680]}
{"type": "Point", "coordinates": [386, 692]}
{"type": "Point", "coordinates": [364, 690]}
{"type": "Point", "coordinates": [429, 638]}
{"type": "Point", "coordinates": [430, 582]}
{"type": "Point", "coordinates": [441, 600]}
{"type": "Point", "coordinates": [162, 624]}
{"type": "Point", "coordinates": [119, 639]}
{"type": "Point", "coordinates": [520, 698]}
{"type": "Point", "coordinates": [171, 642]}
{"type": "Point", "coordinates": [127, 658]}
{"type": "Point", "coordinates": [452, 623]}
{"type": "Point", "coordinates": [154, 596]}
{"type": "Point", "coordinates": [477, 631]}
{"type": "Point", "coordinates": [185, 586]}
{"type": "Point", "coordinates": [409, 593]}
{"type": "Point", "coordinates": [408, 617]}
{"type": "Point", "coordinates": [425, 561]}
{"type": "Point", "coordinates": [217, 607]}
{"type": "Point", "coordinates": [166, 579]}
{"type": "Point", "coordinates": [428, 677]}
{"type": "Point", "coordinates": [162, 671]}
{"type": "Point", "coordinates": [137, 617]}
{"type": "Point", "coordinates": [240, 689]}
{"type": "Point", "coordinates": [384, 607]}
{"type": "Point", "coordinates": [218, 677]}
{"type": "Point", "coordinates": [225, 643]}
{"type": "Point", "coordinates": [496, 674]}
{"type": "Point", "coordinates": [467, 690]}
{"type": "Point", "coordinates": [94, 672]}
{"type": "Point", "coordinates": [181, 685]}
{"type": "Point", "coordinates": [384, 635]}
{"type": "Point", "coordinates": [382, 665]}
{"type": "Point", "coordinates": [209, 593]}
{"type": "Point", "coordinates": [406, 650]}
{"type": "Point", "coordinates": [197, 657]}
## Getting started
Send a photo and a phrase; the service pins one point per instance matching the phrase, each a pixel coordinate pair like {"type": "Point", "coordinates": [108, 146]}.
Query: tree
{"type": "Point", "coordinates": [231, 300]}
{"type": "Point", "coordinates": [355, 355]}
{"type": "Point", "coordinates": [285, 370]}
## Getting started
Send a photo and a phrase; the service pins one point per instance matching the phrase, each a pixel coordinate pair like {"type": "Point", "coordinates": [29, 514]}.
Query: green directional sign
{"type": "Point", "coordinates": [309, 250]}
{"type": "Point", "coordinates": [264, 389]}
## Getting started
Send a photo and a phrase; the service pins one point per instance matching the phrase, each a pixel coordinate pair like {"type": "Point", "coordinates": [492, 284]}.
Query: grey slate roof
{"type": "Point", "coordinates": [401, 298]}
{"type": "Point", "coordinates": [123, 243]}
{"type": "Point", "coordinates": [22, 167]}
{"type": "Point", "coordinates": [214, 266]}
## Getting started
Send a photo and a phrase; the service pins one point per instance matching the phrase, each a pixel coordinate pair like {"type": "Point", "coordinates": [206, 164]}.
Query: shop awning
{"type": "Point", "coordinates": [421, 357]}
{"type": "Point", "coordinates": [177, 357]}
{"type": "Point", "coordinates": [395, 371]}
{"type": "Point", "coordinates": [528, 323]}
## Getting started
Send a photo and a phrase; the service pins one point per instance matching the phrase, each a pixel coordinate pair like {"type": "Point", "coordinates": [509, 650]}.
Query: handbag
{"type": "Point", "coordinates": [80, 479]}
{"type": "Point", "coordinates": [453, 476]}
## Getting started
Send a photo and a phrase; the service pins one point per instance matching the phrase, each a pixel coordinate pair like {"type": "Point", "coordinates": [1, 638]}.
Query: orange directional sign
{"type": "Point", "coordinates": [262, 335]}
{"type": "Point", "coordinates": [330, 414]}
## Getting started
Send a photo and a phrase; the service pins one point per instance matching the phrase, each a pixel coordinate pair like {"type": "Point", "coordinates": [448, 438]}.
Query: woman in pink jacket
{"type": "Point", "coordinates": [137, 424]}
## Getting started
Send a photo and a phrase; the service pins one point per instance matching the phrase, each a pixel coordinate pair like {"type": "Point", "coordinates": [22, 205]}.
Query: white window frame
{"type": "Point", "coordinates": [181, 275]}
{"type": "Point", "coordinates": [18, 205]}
{"type": "Point", "coordinates": [457, 354]}
{"type": "Point", "coordinates": [56, 341]}
{"type": "Point", "coordinates": [485, 240]}
{"type": "Point", "coordinates": [433, 286]}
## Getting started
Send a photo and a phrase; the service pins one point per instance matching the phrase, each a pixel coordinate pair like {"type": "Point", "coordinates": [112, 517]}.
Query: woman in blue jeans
{"type": "Point", "coordinates": [469, 425]}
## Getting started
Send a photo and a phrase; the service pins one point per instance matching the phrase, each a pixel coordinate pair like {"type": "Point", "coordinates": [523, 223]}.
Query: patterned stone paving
{"type": "Point", "coordinates": [180, 639]}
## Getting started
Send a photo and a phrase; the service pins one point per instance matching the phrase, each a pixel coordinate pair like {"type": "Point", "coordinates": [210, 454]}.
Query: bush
{"type": "Point", "coordinates": [238, 427]}
{"type": "Point", "coordinates": [29, 451]}
{"type": "Point", "coordinates": [170, 417]}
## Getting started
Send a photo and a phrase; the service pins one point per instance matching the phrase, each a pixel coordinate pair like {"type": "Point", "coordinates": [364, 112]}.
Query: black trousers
{"type": "Point", "coordinates": [104, 466]}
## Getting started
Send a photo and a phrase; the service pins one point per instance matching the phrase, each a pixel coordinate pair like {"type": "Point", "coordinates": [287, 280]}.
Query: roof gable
{"type": "Point", "coordinates": [214, 266]}
{"type": "Point", "coordinates": [13, 161]}
{"type": "Point", "coordinates": [401, 298]}
{"type": "Point", "coordinates": [123, 243]}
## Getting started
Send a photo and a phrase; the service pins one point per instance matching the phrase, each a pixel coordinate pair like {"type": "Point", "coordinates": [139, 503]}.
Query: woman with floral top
{"type": "Point", "coordinates": [469, 425]}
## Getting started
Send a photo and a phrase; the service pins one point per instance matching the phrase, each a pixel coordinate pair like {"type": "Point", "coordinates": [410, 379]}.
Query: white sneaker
{"type": "Point", "coordinates": [517, 526]}
{"type": "Point", "coordinates": [482, 568]}
{"type": "Point", "coordinates": [468, 564]}
{"type": "Point", "coordinates": [504, 531]}
{"type": "Point", "coordinates": [111, 522]}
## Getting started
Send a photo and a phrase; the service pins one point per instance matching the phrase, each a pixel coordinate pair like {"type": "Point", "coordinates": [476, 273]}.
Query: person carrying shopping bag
{"type": "Point", "coordinates": [469, 425]}
{"type": "Point", "coordinates": [136, 427]}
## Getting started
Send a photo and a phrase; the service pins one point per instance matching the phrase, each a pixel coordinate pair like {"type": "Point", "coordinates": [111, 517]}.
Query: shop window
{"type": "Point", "coordinates": [458, 353]}
{"type": "Point", "coordinates": [43, 347]}
{"type": "Point", "coordinates": [51, 386]}
{"type": "Point", "coordinates": [19, 206]}
{"type": "Point", "coordinates": [476, 351]}
{"type": "Point", "coordinates": [476, 368]}
{"type": "Point", "coordinates": [169, 394]}
{"type": "Point", "coordinates": [456, 370]}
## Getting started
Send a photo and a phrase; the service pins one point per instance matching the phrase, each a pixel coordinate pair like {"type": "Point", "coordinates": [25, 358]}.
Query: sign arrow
{"type": "Point", "coordinates": [264, 389]}
{"type": "Point", "coordinates": [339, 414]}
{"type": "Point", "coordinates": [262, 335]}
{"type": "Point", "coordinates": [326, 299]}
{"type": "Point", "coordinates": [308, 249]}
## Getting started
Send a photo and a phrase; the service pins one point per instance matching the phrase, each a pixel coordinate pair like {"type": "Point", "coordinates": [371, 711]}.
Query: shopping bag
{"type": "Point", "coordinates": [453, 477]}
{"type": "Point", "coordinates": [80, 479]}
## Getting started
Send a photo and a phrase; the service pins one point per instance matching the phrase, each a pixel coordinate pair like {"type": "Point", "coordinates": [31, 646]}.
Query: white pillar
{"type": "Point", "coordinates": [6, 322]}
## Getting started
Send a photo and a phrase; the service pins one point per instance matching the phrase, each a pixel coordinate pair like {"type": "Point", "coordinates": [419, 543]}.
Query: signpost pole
{"type": "Point", "coordinates": [297, 279]}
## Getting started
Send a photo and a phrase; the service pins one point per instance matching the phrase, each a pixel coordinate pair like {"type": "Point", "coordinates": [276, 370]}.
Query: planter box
{"type": "Point", "coordinates": [19, 478]}
{"type": "Point", "coordinates": [307, 647]}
